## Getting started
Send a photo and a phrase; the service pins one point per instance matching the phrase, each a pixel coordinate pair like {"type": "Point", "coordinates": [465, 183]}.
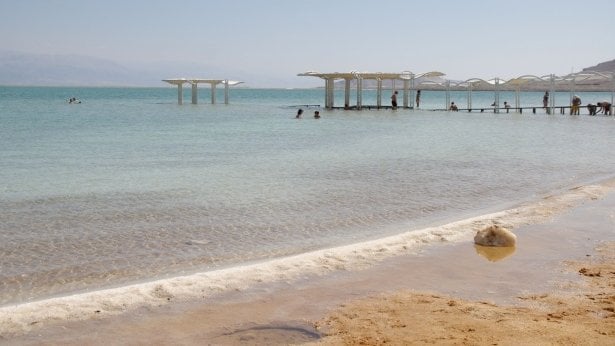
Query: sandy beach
{"type": "Point", "coordinates": [585, 318]}
{"type": "Point", "coordinates": [556, 287]}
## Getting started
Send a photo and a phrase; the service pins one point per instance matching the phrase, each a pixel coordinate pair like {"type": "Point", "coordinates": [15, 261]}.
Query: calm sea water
{"type": "Point", "coordinates": [129, 185]}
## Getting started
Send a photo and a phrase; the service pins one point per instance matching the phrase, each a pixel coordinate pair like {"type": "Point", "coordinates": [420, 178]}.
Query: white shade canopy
{"type": "Point", "coordinates": [194, 82]}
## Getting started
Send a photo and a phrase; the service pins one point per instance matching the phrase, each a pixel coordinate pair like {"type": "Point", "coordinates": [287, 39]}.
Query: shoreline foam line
{"type": "Point", "coordinates": [20, 318]}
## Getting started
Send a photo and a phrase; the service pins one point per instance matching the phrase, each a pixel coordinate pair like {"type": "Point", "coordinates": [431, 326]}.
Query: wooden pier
{"type": "Point", "coordinates": [496, 110]}
{"type": "Point", "coordinates": [368, 107]}
{"type": "Point", "coordinates": [547, 110]}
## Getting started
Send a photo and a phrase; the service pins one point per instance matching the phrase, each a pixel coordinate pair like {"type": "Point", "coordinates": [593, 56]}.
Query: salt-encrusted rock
{"type": "Point", "coordinates": [495, 236]}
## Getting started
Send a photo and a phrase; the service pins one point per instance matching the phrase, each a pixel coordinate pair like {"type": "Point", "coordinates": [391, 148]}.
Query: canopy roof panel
{"type": "Point", "coordinates": [434, 78]}
{"type": "Point", "coordinates": [369, 75]}
{"type": "Point", "coordinates": [177, 81]}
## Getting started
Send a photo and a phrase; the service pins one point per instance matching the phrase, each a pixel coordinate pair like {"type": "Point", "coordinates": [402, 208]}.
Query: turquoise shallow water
{"type": "Point", "coordinates": [129, 185]}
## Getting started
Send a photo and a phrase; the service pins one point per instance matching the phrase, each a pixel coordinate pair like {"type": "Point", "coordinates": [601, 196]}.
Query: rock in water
{"type": "Point", "coordinates": [495, 236]}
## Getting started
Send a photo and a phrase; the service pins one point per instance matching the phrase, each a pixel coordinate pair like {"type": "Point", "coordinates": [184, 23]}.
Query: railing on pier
{"type": "Point", "coordinates": [548, 110]}
{"type": "Point", "coordinates": [491, 109]}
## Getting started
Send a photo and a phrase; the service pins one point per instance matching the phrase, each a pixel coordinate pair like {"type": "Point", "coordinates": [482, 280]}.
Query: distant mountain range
{"type": "Point", "coordinates": [607, 66]}
{"type": "Point", "coordinates": [19, 68]}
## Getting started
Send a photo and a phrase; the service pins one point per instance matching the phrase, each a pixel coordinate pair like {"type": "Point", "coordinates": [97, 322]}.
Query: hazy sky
{"type": "Point", "coordinates": [462, 38]}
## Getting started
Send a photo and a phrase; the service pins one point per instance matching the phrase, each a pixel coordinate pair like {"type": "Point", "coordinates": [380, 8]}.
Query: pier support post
{"type": "Point", "coordinates": [551, 108]}
{"type": "Point", "coordinates": [226, 91]}
{"type": "Point", "coordinates": [346, 93]}
{"type": "Point", "coordinates": [329, 92]}
{"type": "Point", "coordinates": [379, 93]}
{"type": "Point", "coordinates": [413, 92]}
{"type": "Point", "coordinates": [194, 93]}
{"type": "Point", "coordinates": [518, 98]}
{"type": "Point", "coordinates": [332, 93]}
{"type": "Point", "coordinates": [496, 102]}
{"type": "Point", "coordinates": [406, 86]}
{"type": "Point", "coordinates": [572, 91]}
{"type": "Point", "coordinates": [448, 95]}
{"type": "Point", "coordinates": [213, 93]}
{"type": "Point", "coordinates": [180, 94]}
{"type": "Point", "coordinates": [359, 93]}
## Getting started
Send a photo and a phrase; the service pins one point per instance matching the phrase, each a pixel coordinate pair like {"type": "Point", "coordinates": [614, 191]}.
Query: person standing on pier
{"type": "Point", "coordinates": [394, 100]}
{"type": "Point", "coordinates": [576, 105]}
{"type": "Point", "coordinates": [418, 98]}
{"type": "Point", "coordinates": [605, 107]}
{"type": "Point", "coordinates": [545, 102]}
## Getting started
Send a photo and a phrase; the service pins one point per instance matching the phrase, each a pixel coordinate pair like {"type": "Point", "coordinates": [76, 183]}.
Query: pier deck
{"type": "Point", "coordinates": [532, 109]}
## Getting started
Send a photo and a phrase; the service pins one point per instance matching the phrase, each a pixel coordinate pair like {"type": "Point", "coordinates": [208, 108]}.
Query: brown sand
{"type": "Point", "coordinates": [419, 318]}
{"type": "Point", "coordinates": [473, 298]}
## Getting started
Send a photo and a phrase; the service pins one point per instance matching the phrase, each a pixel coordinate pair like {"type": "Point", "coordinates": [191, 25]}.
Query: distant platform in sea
{"type": "Point", "coordinates": [194, 82]}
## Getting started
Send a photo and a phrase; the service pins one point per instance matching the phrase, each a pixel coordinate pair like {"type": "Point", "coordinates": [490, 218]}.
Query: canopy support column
{"type": "Point", "coordinates": [346, 93]}
{"type": "Point", "coordinates": [572, 91]}
{"type": "Point", "coordinates": [379, 93]}
{"type": "Point", "coordinates": [226, 91]}
{"type": "Point", "coordinates": [194, 93]}
{"type": "Point", "coordinates": [448, 95]}
{"type": "Point", "coordinates": [406, 87]}
{"type": "Point", "coordinates": [331, 93]}
{"type": "Point", "coordinates": [496, 102]}
{"type": "Point", "coordinates": [412, 92]}
{"type": "Point", "coordinates": [517, 98]}
{"type": "Point", "coordinates": [552, 98]}
{"type": "Point", "coordinates": [359, 93]}
{"type": "Point", "coordinates": [213, 93]}
{"type": "Point", "coordinates": [180, 94]}
{"type": "Point", "coordinates": [326, 93]}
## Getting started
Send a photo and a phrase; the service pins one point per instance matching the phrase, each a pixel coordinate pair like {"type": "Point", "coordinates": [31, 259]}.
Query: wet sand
{"type": "Point", "coordinates": [449, 293]}
{"type": "Point", "coordinates": [555, 318]}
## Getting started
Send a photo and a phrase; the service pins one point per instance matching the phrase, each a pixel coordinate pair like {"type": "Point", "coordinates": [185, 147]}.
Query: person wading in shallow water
{"type": "Point", "coordinates": [418, 98]}
{"type": "Point", "coordinates": [394, 100]}
{"type": "Point", "coordinates": [545, 102]}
